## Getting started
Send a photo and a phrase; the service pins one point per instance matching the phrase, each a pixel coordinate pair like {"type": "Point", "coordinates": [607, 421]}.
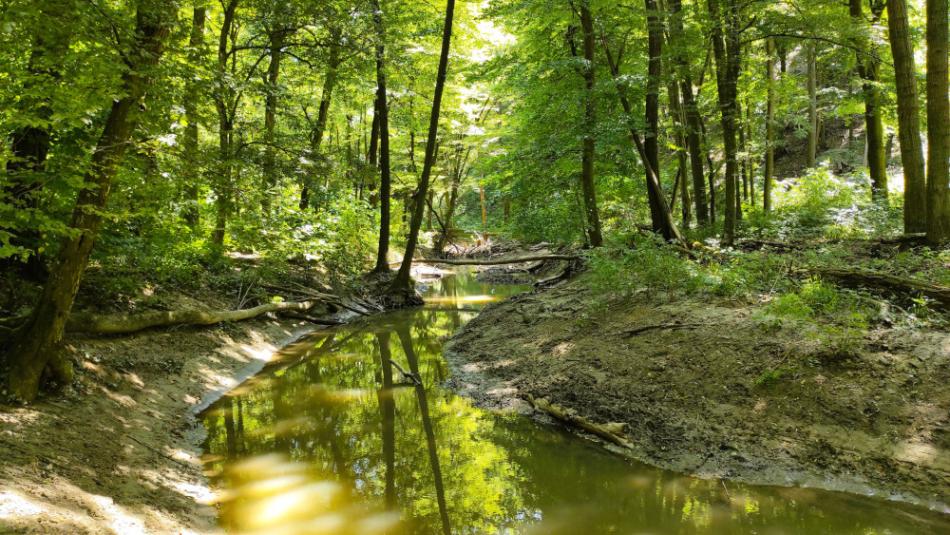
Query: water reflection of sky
{"type": "Point", "coordinates": [331, 439]}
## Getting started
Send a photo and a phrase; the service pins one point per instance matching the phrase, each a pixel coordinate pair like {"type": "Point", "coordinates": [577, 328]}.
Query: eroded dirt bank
{"type": "Point", "coordinates": [117, 452]}
{"type": "Point", "coordinates": [709, 388]}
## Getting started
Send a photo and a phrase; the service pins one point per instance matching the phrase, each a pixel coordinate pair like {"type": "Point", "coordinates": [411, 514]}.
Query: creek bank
{"type": "Point", "coordinates": [118, 450]}
{"type": "Point", "coordinates": [705, 387]}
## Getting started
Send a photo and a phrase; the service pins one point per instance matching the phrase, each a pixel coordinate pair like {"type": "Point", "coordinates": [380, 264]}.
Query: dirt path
{"type": "Point", "coordinates": [706, 388]}
{"type": "Point", "coordinates": [119, 451]}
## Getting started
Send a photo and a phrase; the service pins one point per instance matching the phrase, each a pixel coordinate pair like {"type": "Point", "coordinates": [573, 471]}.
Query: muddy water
{"type": "Point", "coordinates": [350, 431]}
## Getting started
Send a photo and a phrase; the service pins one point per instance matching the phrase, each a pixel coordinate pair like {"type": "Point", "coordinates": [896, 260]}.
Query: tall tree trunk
{"type": "Point", "coordinates": [458, 173]}
{"type": "Point", "coordinates": [938, 125]}
{"type": "Point", "coordinates": [908, 118]}
{"type": "Point", "coordinates": [225, 103]}
{"type": "Point", "coordinates": [742, 184]}
{"type": "Point", "coordinates": [873, 121]}
{"type": "Point", "coordinates": [401, 287]}
{"type": "Point", "coordinates": [681, 153]}
{"type": "Point", "coordinates": [652, 108]}
{"type": "Point", "coordinates": [323, 113]}
{"type": "Point", "coordinates": [37, 345]}
{"type": "Point", "coordinates": [196, 50]}
{"type": "Point", "coordinates": [769, 126]}
{"type": "Point", "coordinates": [725, 37]}
{"type": "Point", "coordinates": [691, 113]}
{"type": "Point", "coordinates": [812, 67]}
{"type": "Point", "coordinates": [590, 122]}
{"type": "Point", "coordinates": [269, 167]}
{"type": "Point", "coordinates": [669, 230]}
{"type": "Point", "coordinates": [382, 110]}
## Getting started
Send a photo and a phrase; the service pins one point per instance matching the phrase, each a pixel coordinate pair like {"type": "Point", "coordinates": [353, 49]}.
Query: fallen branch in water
{"type": "Point", "coordinates": [612, 431]}
{"type": "Point", "coordinates": [86, 322]}
{"type": "Point", "coordinates": [493, 261]}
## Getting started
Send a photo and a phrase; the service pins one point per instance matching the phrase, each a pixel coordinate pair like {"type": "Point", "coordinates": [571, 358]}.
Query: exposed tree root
{"type": "Point", "coordinates": [493, 261]}
{"type": "Point", "coordinates": [84, 322]}
{"type": "Point", "coordinates": [883, 281]}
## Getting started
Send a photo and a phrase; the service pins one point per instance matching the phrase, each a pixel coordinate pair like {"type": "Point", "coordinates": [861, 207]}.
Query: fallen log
{"type": "Point", "coordinates": [89, 323]}
{"type": "Point", "coordinates": [612, 431]}
{"type": "Point", "coordinates": [493, 261]}
{"type": "Point", "coordinates": [883, 281]}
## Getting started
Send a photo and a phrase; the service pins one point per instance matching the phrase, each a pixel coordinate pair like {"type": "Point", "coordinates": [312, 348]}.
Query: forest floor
{"type": "Point", "coordinates": [118, 450]}
{"type": "Point", "coordinates": [711, 386]}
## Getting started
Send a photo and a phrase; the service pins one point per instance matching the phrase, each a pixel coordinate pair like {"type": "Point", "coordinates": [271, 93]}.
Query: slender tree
{"type": "Point", "coordinates": [196, 50]}
{"type": "Point", "coordinates": [868, 67]}
{"type": "Point", "coordinates": [690, 112]}
{"type": "Point", "coordinates": [594, 236]}
{"type": "Point", "coordinates": [37, 345]}
{"type": "Point", "coordinates": [769, 126]}
{"type": "Point", "coordinates": [401, 289]}
{"type": "Point", "coordinates": [811, 59]}
{"type": "Point", "coordinates": [319, 128]}
{"type": "Point", "coordinates": [382, 110]}
{"type": "Point", "coordinates": [225, 101]}
{"type": "Point", "coordinates": [725, 38]}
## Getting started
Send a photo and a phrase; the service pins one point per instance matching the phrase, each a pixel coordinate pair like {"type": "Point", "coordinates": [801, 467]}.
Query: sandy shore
{"type": "Point", "coordinates": [118, 452]}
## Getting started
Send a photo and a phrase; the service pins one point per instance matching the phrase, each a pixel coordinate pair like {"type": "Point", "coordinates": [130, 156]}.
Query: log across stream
{"type": "Point", "coordinates": [352, 431]}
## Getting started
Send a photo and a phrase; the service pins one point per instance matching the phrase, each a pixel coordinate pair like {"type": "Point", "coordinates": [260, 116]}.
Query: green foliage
{"type": "Point", "coordinates": [646, 265]}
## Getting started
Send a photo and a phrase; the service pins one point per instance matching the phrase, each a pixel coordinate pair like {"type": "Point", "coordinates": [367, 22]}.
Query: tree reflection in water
{"type": "Point", "coordinates": [332, 439]}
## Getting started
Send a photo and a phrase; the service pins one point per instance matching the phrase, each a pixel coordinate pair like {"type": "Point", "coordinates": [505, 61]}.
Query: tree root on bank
{"type": "Point", "coordinates": [88, 323]}
{"type": "Point", "coordinates": [883, 281]}
{"type": "Point", "coordinates": [493, 261]}
{"type": "Point", "coordinates": [612, 431]}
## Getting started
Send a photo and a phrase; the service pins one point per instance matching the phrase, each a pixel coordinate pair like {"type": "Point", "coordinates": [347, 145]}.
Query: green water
{"type": "Point", "coordinates": [329, 439]}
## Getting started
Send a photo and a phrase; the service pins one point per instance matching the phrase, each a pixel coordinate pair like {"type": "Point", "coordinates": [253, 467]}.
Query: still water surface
{"type": "Point", "coordinates": [350, 431]}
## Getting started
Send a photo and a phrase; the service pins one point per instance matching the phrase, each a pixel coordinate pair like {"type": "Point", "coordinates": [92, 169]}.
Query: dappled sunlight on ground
{"type": "Point", "coordinates": [127, 461]}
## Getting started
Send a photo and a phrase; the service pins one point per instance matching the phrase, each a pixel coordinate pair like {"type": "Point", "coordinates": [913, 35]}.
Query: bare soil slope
{"type": "Point", "coordinates": [706, 388]}
{"type": "Point", "coordinates": [118, 451]}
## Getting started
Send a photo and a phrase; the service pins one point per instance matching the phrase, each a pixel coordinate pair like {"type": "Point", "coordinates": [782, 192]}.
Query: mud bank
{"type": "Point", "coordinates": [708, 388]}
{"type": "Point", "coordinates": [118, 451]}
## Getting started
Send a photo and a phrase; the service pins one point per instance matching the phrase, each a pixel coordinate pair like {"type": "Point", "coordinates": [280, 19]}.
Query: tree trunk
{"type": "Point", "coordinates": [401, 288]}
{"type": "Point", "coordinates": [590, 123]}
{"type": "Point", "coordinates": [812, 67]}
{"type": "Point", "coordinates": [725, 38]}
{"type": "Point", "coordinates": [323, 113]}
{"type": "Point", "coordinates": [196, 50]}
{"type": "Point", "coordinates": [938, 125]}
{"type": "Point", "coordinates": [652, 108]}
{"type": "Point", "coordinates": [269, 167]}
{"type": "Point", "coordinates": [769, 126]}
{"type": "Point", "coordinates": [382, 110]}
{"type": "Point", "coordinates": [225, 103]}
{"type": "Point", "coordinates": [669, 230]}
{"type": "Point", "coordinates": [741, 183]}
{"type": "Point", "coordinates": [874, 126]}
{"type": "Point", "coordinates": [681, 153]}
{"type": "Point", "coordinates": [691, 112]}
{"type": "Point", "coordinates": [37, 345]}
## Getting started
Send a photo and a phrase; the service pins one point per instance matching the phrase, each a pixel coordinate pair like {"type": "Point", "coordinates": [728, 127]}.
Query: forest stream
{"type": "Point", "coordinates": [329, 438]}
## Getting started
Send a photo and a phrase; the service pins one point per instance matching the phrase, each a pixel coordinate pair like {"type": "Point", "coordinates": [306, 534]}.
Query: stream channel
{"type": "Point", "coordinates": [328, 438]}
